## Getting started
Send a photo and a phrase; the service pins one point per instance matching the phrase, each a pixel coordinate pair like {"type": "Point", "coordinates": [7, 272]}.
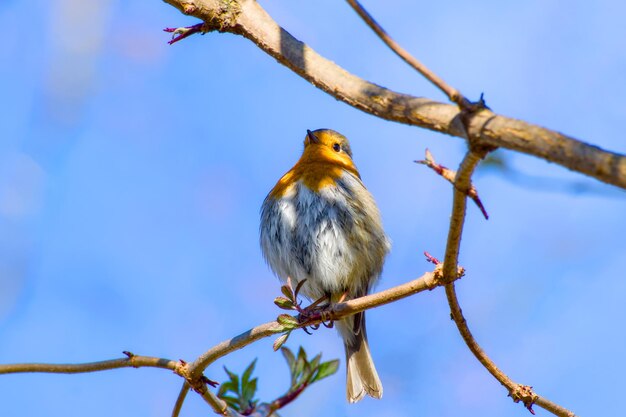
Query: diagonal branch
{"type": "Point", "coordinates": [453, 94]}
{"type": "Point", "coordinates": [485, 128]}
{"type": "Point", "coordinates": [428, 281]}
{"type": "Point", "coordinates": [517, 391]}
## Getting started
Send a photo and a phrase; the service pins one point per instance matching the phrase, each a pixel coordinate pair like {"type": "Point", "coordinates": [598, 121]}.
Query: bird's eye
{"type": "Point", "coordinates": [336, 147]}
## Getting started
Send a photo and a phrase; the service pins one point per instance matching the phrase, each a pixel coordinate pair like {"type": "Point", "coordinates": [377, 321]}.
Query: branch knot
{"type": "Point", "coordinates": [525, 394]}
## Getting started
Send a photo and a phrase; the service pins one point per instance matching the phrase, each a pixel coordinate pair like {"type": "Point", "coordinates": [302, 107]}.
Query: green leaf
{"type": "Point", "coordinates": [306, 373]}
{"type": "Point", "coordinates": [246, 374]}
{"type": "Point", "coordinates": [287, 321]}
{"type": "Point", "coordinates": [302, 354]}
{"type": "Point", "coordinates": [315, 361]}
{"type": "Point", "coordinates": [225, 387]}
{"type": "Point", "coordinates": [231, 401]}
{"type": "Point", "coordinates": [248, 391]}
{"type": "Point", "coordinates": [284, 303]}
{"type": "Point", "coordinates": [286, 290]}
{"type": "Point", "coordinates": [326, 369]}
{"type": "Point", "coordinates": [280, 340]}
{"type": "Point", "coordinates": [298, 288]}
{"type": "Point", "coordinates": [299, 368]}
{"type": "Point", "coordinates": [234, 378]}
{"type": "Point", "coordinates": [288, 355]}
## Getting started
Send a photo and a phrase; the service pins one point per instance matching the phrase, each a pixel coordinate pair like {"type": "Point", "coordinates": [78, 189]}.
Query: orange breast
{"type": "Point", "coordinates": [316, 169]}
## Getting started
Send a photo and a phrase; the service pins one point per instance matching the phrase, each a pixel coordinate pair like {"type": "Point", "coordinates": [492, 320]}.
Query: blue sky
{"type": "Point", "coordinates": [132, 172]}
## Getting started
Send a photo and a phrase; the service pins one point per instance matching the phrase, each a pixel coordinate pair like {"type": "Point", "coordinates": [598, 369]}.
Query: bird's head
{"type": "Point", "coordinates": [328, 146]}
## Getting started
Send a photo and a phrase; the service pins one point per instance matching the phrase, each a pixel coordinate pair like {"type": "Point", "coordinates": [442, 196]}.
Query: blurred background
{"type": "Point", "coordinates": [132, 172]}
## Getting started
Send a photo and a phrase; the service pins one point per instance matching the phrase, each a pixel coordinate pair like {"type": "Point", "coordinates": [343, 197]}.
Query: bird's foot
{"type": "Point", "coordinates": [319, 312]}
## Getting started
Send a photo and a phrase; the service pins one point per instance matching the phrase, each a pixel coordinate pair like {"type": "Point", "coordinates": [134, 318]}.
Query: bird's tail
{"type": "Point", "coordinates": [361, 377]}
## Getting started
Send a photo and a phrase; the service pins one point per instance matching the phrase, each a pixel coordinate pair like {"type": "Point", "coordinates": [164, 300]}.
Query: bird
{"type": "Point", "coordinates": [320, 224]}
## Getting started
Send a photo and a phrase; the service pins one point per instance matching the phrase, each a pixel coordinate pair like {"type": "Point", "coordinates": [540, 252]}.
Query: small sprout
{"type": "Point", "coordinates": [181, 33]}
{"type": "Point", "coordinates": [303, 373]}
{"type": "Point", "coordinates": [286, 290]}
{"type": "Point", "coordinates": [431, 258]}
{"type": "Point", "coordinates": [288, 322]}
{"type": "Point", "coordinates": [284, 303]}
{"type": "Point", "coordinates": [298, 288]}
{"type": "Point", "coordinates": [280, 341]}
{"type": "Point", "coordinates": [209, 381]}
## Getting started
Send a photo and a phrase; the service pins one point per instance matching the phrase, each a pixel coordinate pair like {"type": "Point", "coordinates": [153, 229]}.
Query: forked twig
{"type": "Point", "coordinates": [450, 175]}
{"type": "Point", "coordinates": [178, 34]}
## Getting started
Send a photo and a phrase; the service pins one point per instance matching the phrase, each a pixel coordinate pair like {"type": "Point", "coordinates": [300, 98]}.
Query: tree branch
{"type": "Point", "coordinates": [184, 390]}
{"type": "Point", "coordinates": [453, 94]}
{"type": "Point", "coordinates": [428, 281]}
{"type": "Point", "coordinates": [131, 361]}
{"type": "Point", "coordinates": [517, 391]}
{"type": "Point", "coordinates": [485, 128]}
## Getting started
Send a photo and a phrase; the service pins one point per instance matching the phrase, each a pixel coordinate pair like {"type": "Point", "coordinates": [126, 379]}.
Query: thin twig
{"type": "Point", "coordinates": [453, 94]}
{"type": "Point", "coordinates": [178, 34]}
{"type": "Point", "coordinates": [180, 399]}
{"type": "Point", "coordinates": [131, 361]}
{"type": "Point", "coordinates": [449, 175]}
{"type": "Point", "coordinates": [518, 392]}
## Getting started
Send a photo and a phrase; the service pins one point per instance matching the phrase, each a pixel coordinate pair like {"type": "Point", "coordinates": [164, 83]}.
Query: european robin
{"type": "Point", "coordinates": [320, 224]}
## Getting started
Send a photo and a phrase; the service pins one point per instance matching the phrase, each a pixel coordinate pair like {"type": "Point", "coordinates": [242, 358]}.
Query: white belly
{"type": "Point", "coordinates": [327, 238]}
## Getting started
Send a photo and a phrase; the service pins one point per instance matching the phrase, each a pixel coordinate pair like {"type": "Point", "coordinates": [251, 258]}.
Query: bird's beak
{"type": "Point", "coordinates": [312, 137]}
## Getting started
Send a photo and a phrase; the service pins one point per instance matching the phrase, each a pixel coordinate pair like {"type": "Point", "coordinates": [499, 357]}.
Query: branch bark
{"type": "Point", "coordinates": [484, 128]}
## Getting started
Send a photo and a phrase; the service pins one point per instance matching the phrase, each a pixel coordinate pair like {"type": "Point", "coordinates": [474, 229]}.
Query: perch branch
{"type": "Point", "coordinates": [428, 281]}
